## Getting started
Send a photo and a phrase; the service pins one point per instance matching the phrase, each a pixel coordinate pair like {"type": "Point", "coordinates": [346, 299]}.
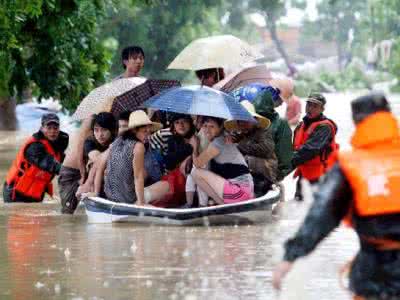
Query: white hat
{"type": "Point", "coordinates": [285, 85]}
{"type": "Point", "coordinates": [263, 122]}
{"type": "Point", "coordinates": [140, 118]}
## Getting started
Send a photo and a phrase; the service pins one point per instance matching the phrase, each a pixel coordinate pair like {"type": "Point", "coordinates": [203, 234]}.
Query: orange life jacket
{"type": "Point", "coordinates": [318, 166]}
{"type": "Point", "coordinates": [373, 166]}
{"type": "Point", "coordinates": [28, 179]}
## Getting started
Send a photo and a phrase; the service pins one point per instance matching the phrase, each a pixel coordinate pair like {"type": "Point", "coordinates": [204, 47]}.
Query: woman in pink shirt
{"type": "Point", "coordinates": [293, 111]}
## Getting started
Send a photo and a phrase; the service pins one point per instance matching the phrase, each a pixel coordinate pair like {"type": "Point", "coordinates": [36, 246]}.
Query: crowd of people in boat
{"type": "Point", "coordinates": [201, 160]}
{"type": "Point", "coordinates": [187, 161]}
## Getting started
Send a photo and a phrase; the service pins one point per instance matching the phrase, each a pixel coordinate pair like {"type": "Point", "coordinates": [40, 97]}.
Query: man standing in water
{"type": "Point", "coordinates": [132, 58]}
{"type": "Point", "coordinates": [315, 148]}
{"type": "Point", "coordinates": [37, 162]}
{"type": "Point", "coordinates": [363, 189]}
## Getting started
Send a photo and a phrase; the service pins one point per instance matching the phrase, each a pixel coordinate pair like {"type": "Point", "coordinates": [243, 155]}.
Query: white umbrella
{"type": "Point", "coordinates": [100, 99]}
{"type": "Point", "coordinates": [254, 74]}
{"type": "Point", "coordinates": [215, 52]}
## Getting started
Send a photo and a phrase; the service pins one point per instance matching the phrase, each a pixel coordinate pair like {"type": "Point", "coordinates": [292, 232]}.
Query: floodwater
{"type": "Point", "coordinates": [46, 255]}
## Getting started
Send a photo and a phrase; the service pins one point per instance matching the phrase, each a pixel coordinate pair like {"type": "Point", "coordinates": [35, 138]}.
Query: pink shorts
{"type": "Point", "coordinates": [234, 192]}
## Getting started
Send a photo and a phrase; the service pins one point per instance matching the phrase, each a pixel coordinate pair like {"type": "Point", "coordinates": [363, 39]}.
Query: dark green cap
{"type": "Point", "coordinates": [317, 98]}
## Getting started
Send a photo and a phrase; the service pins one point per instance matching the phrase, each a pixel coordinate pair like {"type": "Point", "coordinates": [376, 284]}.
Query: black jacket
{"type": "Point", "coordinates": [178, 151]}
{"type": "Point", "coordinates": [36, 154]}
{"type": "Point", "coordinates": [373, 272]}
{"type": "Point", "coordinates": [318, 141]}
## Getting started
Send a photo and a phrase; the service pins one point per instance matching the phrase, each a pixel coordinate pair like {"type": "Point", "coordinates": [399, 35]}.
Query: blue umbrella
{"type": "Point", "coordinates": [199, 100]}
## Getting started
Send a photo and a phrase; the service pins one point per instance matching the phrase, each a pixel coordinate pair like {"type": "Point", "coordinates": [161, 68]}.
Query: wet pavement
{"type": "Point", "coordinates": [46, 255]}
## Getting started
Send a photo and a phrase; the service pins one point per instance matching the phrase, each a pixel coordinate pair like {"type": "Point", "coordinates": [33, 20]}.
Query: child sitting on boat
{"type": "Point", "coordinates": [229, 179]}
{"type": "Point", "coordinates": [178, 150]}
{"type": "Point", "coordinates": [104, 131]}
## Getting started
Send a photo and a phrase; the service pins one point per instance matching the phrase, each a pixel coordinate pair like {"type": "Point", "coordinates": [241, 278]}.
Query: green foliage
{"type": "Point", "coordinates": [63, 49]}
{"type": "Point", "coordinates": [335, 20]}
{"type": "Point", "coordinates": [161, 28]}
{"type": "Point", "coordinates": [351, 78]}
{"type": "Point", "coordinates": [51, 47]}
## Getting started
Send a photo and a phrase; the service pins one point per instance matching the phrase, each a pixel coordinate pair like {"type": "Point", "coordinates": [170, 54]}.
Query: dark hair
{"type": "Point", "coordinates": [192, 128]}
{"type": "Point", "coordinates": [130, 134]}
{"type": "Point", "coordinates": [364, 106]}
{"type": "Point", "coordinates": [130, 51]}
{"type": "Point", "coordinates": [124, 116]}
{"type": "Point", "coordinates": [219, 121]}
{"type": "Point", "coordinates": [205, 73]}
{"type": "Point", "coordinates": [106, 120]}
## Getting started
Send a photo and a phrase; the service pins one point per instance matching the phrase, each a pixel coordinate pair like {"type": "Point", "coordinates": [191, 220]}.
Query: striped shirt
{"type": "Point", "coordinates": [159, 140]}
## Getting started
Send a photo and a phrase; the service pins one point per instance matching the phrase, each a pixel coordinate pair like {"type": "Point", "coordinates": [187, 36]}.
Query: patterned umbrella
{"type": "Point", "coordinates": [215, 52]}
{"type": "Point", "coordinates": [134, 98]}
{"type": "Point", "coordinates": [199, 100]}
{"type": "Point", "coordinates": [99, 99]}
{"type": "Point", "coordinates": [254, 74]}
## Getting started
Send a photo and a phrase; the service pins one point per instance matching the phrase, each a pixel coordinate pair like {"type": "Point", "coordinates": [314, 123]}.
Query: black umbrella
{"type": "Point", "coordinates": [134, 98]}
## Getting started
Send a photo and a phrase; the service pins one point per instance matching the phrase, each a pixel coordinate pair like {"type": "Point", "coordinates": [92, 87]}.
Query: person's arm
{"type": "Point", "coordinates": [94, 155]}
{"type": "Point", "coordinates": [90, 150]}
{"type": "Point", "coordinates": [331, 203]}
{"type": "Point", "coordinates": [84, 133]}
{"type": "Point", "coordinates": [201, 160]}
{"type": "Point", "coordinates": [138, 172]}
{"type": "Point", "coordinates": [260, 145]}
{"type": "Point", "coordinates": [100, 167]}
{"type": "Point", "coordinates": [330, 206]}
{"type": "Point", "coordinates": [37, 155]}
{"type": "Point", "coordinates": [319, 139]}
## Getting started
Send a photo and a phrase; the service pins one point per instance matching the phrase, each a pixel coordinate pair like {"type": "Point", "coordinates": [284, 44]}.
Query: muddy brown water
{"type": "Point", "coordinates": [46, 255]}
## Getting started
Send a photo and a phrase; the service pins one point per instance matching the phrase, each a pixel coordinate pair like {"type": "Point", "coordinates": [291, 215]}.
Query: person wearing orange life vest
{"type": "Point", "coordinates": [315, 148]}
{"type": "Point", "coordinates": [362, 188]}
{"type": "Point", "coordinates": [37, 162]}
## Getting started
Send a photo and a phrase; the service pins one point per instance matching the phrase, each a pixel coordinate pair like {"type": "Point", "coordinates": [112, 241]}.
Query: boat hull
{"type": "Point", "coordinates": [257, 210]}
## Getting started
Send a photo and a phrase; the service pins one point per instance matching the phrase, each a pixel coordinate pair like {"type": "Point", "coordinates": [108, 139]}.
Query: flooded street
{"type": "Point", "coordinates": [46, 255]}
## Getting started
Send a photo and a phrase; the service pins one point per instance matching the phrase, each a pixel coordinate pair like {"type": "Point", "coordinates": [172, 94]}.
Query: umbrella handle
{"type": "Point", "coordinates": [150, 112]}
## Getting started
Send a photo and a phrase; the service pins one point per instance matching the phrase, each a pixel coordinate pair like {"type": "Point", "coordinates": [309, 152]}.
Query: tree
{"type": "Point", "coordinates": [336, 18]}
{"type": "Point", "coordinates": [162, 28]}
{"type": "Point", "coordinates": [51, 47]}
{"type": "Point", "coordinates": [273, 10]}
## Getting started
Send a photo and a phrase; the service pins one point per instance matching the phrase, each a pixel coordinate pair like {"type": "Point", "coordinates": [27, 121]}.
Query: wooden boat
{"type": "Point", "coordinates": [256, 210]}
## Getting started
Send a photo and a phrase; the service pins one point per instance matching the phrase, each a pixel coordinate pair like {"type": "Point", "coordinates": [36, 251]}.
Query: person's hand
{"type": "Point", "coordinates": [82, 170]}
{"type": "Point", "coordinates": [233, 138]}
{"type": "Point", "coordinates": [279, 274]}
{"type": "Point", "coordinates": [83, 190]}
{"type": "Point", "coordinates": [194, 141]}
{"type": "Point", "coordinates": [229, 139]}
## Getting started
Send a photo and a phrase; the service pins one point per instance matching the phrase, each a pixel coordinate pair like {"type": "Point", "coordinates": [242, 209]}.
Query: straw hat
{"type": "Point", "coordinates": [285, 85]}
{"type": "Point", "coordinates": [140, 118]}
{"type": "Point", "coordinates": [263, 122]}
